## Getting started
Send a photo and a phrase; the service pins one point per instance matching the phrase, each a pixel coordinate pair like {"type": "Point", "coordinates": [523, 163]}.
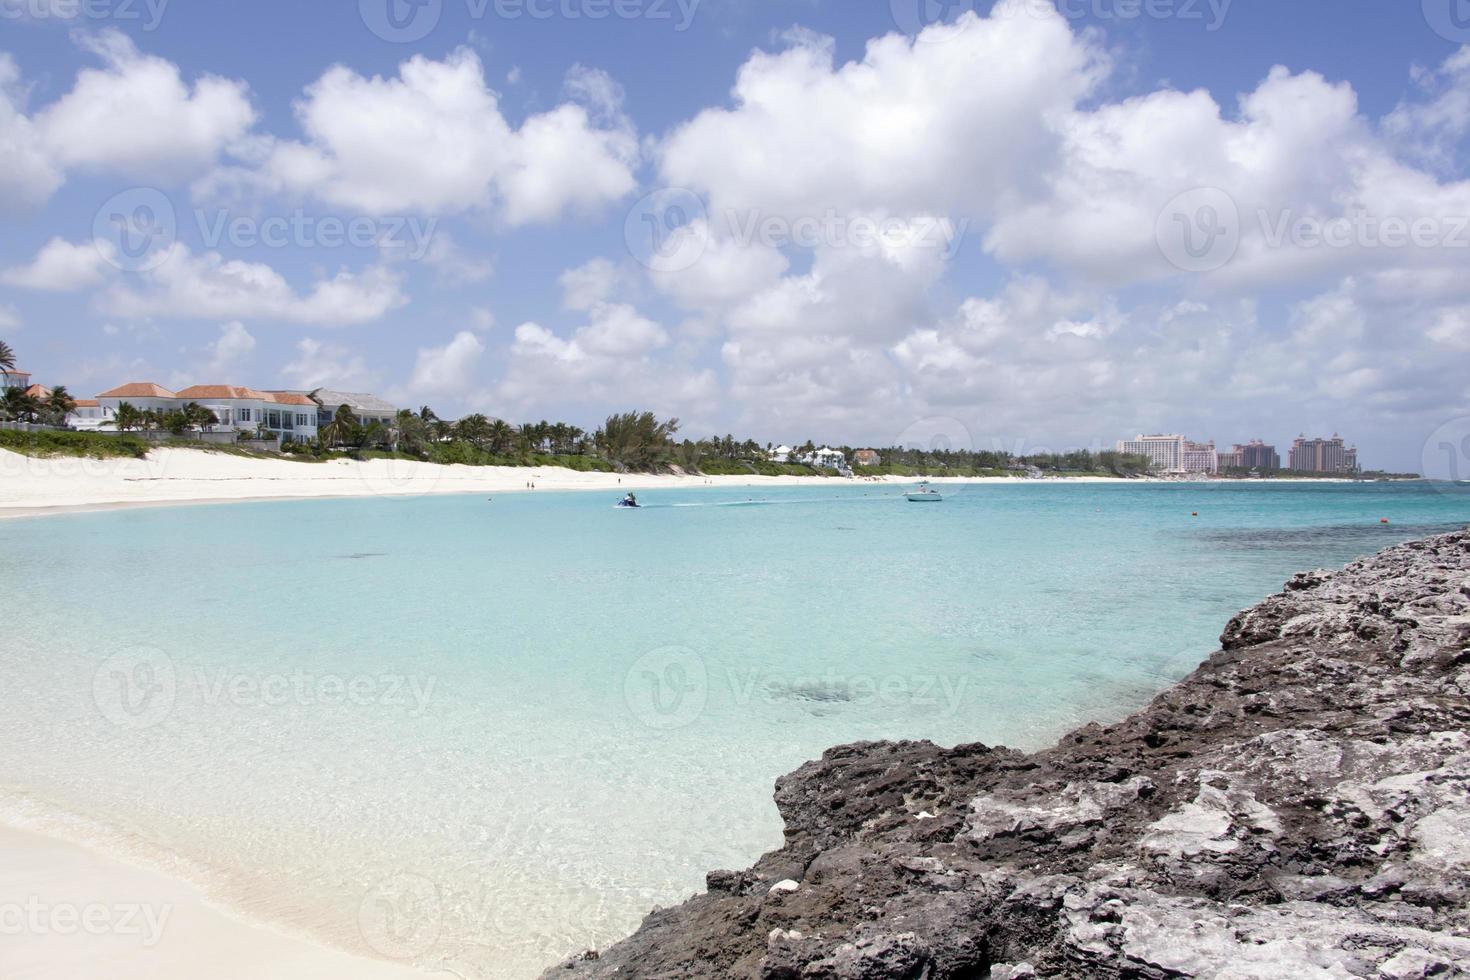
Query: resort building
{"type": "Point", "coordinates": [14, 379]}
{"type": "Point", "coordinates": [1201, 458]}
{"type": "Point", "coordinates": [1231, 459]}
{"type": "Point", "coordinates": [1323, 455]}
{"type": "Point", "coordinates": [1164, 453]}
{"type": "Point", "coordinates": [867, 458]}
{"type": "Point", "coordinates": [1256, 455]}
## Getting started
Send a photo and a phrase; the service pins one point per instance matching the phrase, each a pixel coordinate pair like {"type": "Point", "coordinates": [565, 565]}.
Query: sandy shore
{"type": "Point", "coordinates": [69, 914]}
{"type": "Point", "coordinates": [32, 487]}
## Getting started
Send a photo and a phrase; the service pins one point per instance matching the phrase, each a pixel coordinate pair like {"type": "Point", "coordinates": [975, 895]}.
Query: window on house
{"type": "Point", "coordinates": [303, 420]}
{"type": "Point", "coordinates": [244, 415]}
{"type": "Point", "coordinates": [275, 420]}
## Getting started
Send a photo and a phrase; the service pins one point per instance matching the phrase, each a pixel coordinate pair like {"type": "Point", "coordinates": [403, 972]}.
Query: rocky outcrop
{"type": "Point", "coordinates": [1298, 807]}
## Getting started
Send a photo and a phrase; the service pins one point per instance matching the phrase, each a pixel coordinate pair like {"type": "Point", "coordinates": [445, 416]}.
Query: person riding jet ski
{"type": "Point", "coordinates": [629, 501]}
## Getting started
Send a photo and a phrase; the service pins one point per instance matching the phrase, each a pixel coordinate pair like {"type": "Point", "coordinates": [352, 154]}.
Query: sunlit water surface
{"type": "Point", "coordinates": [484, 735]}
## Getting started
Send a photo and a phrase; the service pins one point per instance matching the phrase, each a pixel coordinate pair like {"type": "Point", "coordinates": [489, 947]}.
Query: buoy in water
{"type": "Point", "coordinates": [1195, 514]}
{"type": "Point", "coordinates": [1383, 521]}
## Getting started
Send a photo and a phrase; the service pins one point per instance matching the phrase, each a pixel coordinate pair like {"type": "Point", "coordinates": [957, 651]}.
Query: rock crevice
{"type": "Point", "coordinates": [1298, 807]}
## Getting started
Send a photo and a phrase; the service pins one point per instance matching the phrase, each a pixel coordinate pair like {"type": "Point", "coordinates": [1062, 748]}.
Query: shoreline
{"type": "Point", "coordinates": [1289, 809]}
{"type": "Point", "coordinates": [82, 912]}
{"type": "Point", "coordinates": [32, 487]}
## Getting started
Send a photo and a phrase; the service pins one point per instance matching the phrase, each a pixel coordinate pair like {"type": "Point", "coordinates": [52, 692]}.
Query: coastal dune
{"type": "Point", "coordinates": [1298, 807]}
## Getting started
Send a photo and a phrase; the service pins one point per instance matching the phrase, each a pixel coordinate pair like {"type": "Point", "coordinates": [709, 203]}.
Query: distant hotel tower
{"type": "Point", "coordinates": [1256, 455]}
{"type": "Point", "coordinates": [1323, 456]}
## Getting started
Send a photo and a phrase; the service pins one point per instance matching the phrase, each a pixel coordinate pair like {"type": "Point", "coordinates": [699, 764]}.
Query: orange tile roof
{"type": "Point", "coordinates": [88, 403]}
{"type": "Point", "coordinates": [290, 398]}
{"type": "Point", "coordinates": [222, 392]}
{"type": "Point", "coordinates": [143, 389]}
{"type": "Point", "coordinates": [39, 391]}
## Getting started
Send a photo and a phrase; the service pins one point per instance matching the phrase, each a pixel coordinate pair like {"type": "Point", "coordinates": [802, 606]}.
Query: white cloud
{"type": "Point", "coordinates": [138, 116]}
{"type": "Point", "coordinates": [61, 266]}
{"type": "Point", "coordinates": [210, 286]}
{"type": "Point", "coordinates": [590, 284]}
{"type": "Point", "coordinates": [1432, 129]}
{"type": "Point", "coordinates": [617, 353]}
{"type": "Point", "coordinates": [28, 175]}
{"type": "Point", "coordinates": [915, 126]}
{"type": "Point", "coordinates": [482, 318]}
{"type": "Point", "coordinates": [323, 365]}
{"type": "Point", "coordinates": [433, 139]}
{"type": "Point", "coordinates": [444, 372]}
{"type": "Point", "coordinates": [452, 264]}
{"type": "Point", "coordinates": [222, 358]}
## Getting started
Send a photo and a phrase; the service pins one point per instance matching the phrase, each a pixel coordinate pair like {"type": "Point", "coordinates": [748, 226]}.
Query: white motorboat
{"type": "Point", "coordinates": [925, 495]}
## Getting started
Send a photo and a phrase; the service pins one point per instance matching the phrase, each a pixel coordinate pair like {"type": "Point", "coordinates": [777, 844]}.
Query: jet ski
{"type": "Point", "coordinates": [629, 502]}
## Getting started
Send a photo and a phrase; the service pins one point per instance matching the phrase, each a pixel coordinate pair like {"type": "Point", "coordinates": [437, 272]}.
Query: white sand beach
{"type": "Point", "coordinates": [68, 914]}
{"type": "Point", "coordinates": [31, 486]}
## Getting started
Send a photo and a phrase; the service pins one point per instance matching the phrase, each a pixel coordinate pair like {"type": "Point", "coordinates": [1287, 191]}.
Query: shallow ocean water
{"type": "Point", "coordinates": [485, 735]}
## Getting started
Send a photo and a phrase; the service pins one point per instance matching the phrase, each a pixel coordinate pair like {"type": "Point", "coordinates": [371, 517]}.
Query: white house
{"type": "Point", "coordinates": [88, 413]}
{"type": "Point", "coordinates": [367, 408]}
{"type": "Point", "coordinates": [290, 415]}
{"type": "Point", "coordinates": [14, 379]}
{"type": "Point", "coordinates": [826, 458]}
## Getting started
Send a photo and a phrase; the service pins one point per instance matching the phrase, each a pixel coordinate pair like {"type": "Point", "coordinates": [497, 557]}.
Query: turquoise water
{"type": "Point", "coordinates": [488, 734]}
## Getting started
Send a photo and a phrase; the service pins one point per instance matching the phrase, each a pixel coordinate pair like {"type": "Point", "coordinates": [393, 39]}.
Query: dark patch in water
{"type": "Point", "coordinates": [820, 693]}
{"type": "Point", "coordinates": [1293, 538]}
{"type": "Point", "coordinates": [363, 554]}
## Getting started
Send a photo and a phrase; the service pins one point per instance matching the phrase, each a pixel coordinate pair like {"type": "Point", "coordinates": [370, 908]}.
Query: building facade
{"type": "Point", "coordinates": [867, 458]}
{"type": "Point", "coordinates": [1165, 453]}
{"type": "Point", "coordinates": [1323, 456]}
{"type": "Point", "coordinates": [1257, 455]}
{"type": "Point", "coordinates": [14, 379]}
{"type": "Point", "coordinates": [1201, 458]}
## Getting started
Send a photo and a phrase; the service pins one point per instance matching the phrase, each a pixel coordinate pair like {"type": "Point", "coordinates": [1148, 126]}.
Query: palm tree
{"type": "Point", "coordinates": [7, 357]}
{"type": "Point", "coordinates": [341, 429]}
{"type": "Point", "coordinates": [20, 406]}
{"type": "Point", "coordinates": [60, 404]}
{"type": "Point", "coordinates": [501, 435]}
{"type": "Point", "coordinates": [473, 429]}
{"type": "Point", "coordinates": [636, 441]}
{"type": "Point", "coordinates": [412, 430]}
{"type": "Point", "coordinates": [196, 416]}
{"type": "Point", "coordinates": [127, 417]}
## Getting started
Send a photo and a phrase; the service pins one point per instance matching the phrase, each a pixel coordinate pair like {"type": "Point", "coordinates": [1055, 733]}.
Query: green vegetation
{"type": "Point", "coordinates": [76, 444]}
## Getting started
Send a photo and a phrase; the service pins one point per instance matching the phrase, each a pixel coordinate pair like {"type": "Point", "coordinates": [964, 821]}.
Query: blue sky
{"type": "Point", "coordinates": [1029, 171]}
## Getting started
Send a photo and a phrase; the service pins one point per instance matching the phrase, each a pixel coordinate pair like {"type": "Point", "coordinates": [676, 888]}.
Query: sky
{"type": "Point", "coordinates": [1022, 225]}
